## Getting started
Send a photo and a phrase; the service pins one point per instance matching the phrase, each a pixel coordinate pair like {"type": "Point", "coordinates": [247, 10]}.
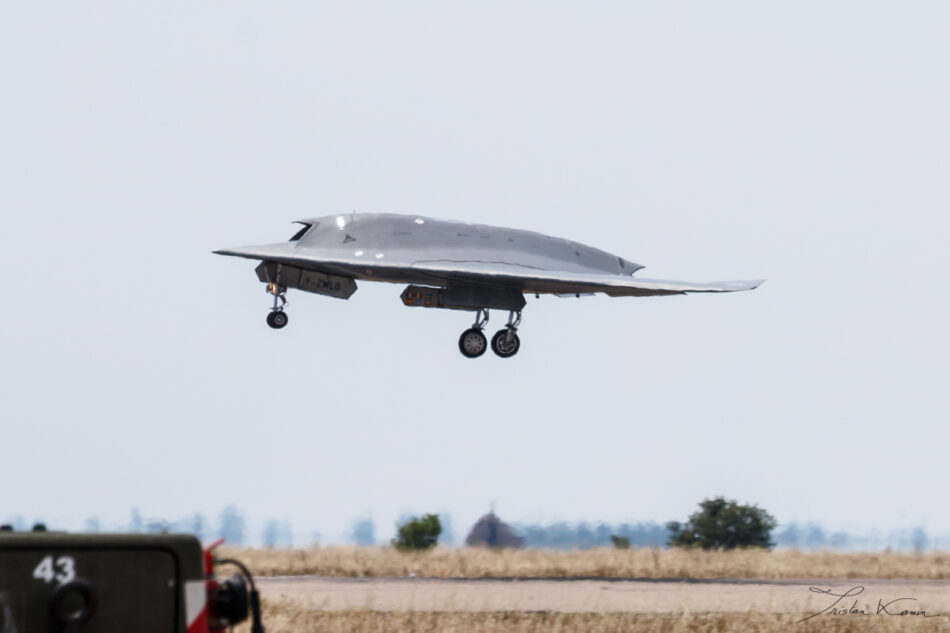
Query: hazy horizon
{"type": "Point", "coordinates": [258, 532]}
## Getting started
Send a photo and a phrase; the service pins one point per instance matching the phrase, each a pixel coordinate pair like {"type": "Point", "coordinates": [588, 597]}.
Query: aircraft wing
{"type": "Point", "coordinates": [564, 282]}
{"type": "Point", "coordinates": [495, 274]}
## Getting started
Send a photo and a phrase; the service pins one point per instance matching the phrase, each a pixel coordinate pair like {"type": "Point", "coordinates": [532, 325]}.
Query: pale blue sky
{"type": "Point", "coordinates": [806, 143]}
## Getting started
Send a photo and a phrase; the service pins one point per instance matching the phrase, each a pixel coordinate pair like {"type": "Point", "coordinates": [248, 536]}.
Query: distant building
{"type": "Point", "coordinates": [490, 531]}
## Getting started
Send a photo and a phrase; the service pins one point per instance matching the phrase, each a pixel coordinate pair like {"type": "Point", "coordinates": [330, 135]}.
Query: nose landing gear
{"type": "Point", "coordinates": [506, 343]}
{"type": "Point", "coordinates": [277, 317]}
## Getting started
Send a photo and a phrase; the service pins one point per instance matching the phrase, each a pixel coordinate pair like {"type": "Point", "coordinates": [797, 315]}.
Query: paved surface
{"type": "Point", "coordinates": [641, 596]}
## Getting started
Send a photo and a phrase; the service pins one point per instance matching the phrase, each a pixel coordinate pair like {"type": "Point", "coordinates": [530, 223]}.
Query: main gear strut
{"type": "Point", "coordinates": [506, 343]}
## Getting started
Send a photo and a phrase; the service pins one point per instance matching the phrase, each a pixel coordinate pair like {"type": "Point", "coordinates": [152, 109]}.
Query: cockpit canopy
{"type": "Point", "coordinates": [306, 227]}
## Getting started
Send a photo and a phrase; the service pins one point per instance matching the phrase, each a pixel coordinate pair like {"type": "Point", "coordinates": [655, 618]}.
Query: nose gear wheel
{"type": "Point", "coordinates": [277, 319]}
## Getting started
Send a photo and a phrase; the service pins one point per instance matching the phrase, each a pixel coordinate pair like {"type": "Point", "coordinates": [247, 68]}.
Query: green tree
{"type": "Point", "coordinates": [620, 542]}
{"type": "Point", "coordinates": [418, 533]}
{"type": "Point", "coordinates": [724, 524]}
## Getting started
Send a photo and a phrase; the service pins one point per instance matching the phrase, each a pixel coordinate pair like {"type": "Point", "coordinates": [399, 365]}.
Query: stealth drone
{"type": "Point", "coordinates": [450, 265]}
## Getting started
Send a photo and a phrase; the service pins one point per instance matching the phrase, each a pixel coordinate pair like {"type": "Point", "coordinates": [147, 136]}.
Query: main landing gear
{"type": "Point", "coordinates": [277, 317]}
{"type": "Point", "coordinates": [473, 343]}
{"type": "Point", "coordinates": [505, 343]}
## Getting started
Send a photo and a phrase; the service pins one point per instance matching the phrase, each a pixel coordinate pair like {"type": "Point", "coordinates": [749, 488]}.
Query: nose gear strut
{"type": "Point", "coordinates": [277, 317]}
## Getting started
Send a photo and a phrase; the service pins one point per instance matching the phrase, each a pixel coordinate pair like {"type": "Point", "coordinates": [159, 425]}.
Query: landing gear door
{"type": "Point", "coordinates": [307, 280]}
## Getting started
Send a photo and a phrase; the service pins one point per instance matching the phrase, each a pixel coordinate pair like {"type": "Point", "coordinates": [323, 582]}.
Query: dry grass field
{"type": "Point", "coordinates": [291, 618]}
{"type": "Point", "coordinates": [301, 608]}
{"type": "Point", "coordinates": [441, 562]}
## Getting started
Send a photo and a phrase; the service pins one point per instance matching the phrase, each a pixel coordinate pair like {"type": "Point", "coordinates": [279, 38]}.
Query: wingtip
{"type": "Point", "coordinates": [737, 286]}
{"type": "Point", "coordinates": [750, 284]}
{"type": "Point", "coordinates": [241, 251]}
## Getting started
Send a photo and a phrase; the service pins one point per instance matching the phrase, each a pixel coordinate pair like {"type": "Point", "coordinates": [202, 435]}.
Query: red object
{"type": "Point", "coordinates": [209, 557]}
{"type": "Point", "coordinates": [201, 624]}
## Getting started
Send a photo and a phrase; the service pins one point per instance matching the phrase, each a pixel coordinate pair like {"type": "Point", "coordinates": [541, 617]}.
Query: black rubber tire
{"type": "Point", "coordinates": [472, 343]}
{"type": "Point", "coordinates": [500, 346]}
{"type": "Point", "coordinates": [277, 319]}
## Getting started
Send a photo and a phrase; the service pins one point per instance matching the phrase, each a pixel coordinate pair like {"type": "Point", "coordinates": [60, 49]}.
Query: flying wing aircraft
{"type": "Point", "coordinates": [450, 265]}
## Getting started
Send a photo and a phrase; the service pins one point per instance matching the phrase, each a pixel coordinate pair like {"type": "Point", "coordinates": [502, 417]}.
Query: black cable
{"type": "Point", "coordinates": [257, 626]}
{"type": "Point", "coordinates": [239, 565]}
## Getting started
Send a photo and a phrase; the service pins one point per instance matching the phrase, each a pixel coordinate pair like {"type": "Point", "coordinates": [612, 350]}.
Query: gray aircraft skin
{"type": "Point", "coordinates": [451, 265]}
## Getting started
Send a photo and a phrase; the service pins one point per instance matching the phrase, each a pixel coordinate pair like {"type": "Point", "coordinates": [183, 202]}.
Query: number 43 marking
{"type": "Point", "coordinates": [46, 572]}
